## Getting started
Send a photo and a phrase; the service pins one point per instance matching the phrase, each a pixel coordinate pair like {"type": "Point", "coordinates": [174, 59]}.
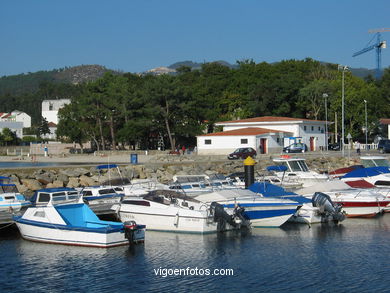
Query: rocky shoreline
{"type": "Point", "coordinates": [161, 168]}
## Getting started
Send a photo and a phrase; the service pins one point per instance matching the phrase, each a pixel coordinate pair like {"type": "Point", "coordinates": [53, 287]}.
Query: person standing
{"type": "Point", "coordinates": [357, 145]}
{"type": "Point", "coordinates": [183, 149]}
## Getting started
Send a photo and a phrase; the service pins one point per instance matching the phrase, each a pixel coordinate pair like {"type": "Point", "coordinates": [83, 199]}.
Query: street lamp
{"type": "Point", "coordinates": [343, 68]}
{"type": "Point", "coordinates": [365, 111]}
{"type": "Point", "coordinates": [325, 96]}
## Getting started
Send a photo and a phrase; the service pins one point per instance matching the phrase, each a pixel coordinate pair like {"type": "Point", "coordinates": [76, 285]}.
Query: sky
{"type": "Point", "coordinates": [135, 36]}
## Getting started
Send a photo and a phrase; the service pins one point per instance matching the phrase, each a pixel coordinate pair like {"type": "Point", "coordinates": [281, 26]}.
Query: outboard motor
{"type": "Point", "coordinates": [221, 217]}
{"type": "Point", "coordinates": [327, 207]}
{"type": "Point", "coordinates": [133, 232]}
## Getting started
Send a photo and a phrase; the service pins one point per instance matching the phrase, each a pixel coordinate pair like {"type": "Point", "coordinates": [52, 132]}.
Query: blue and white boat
{"type": "Point", "coordinates": [62, 220]}
{"type": "Point", "coordinates": [318, 209]}
{"type": "Point", "coordinates": [260, 211]}
{"type": "Point", "coordinates": [10, 198]}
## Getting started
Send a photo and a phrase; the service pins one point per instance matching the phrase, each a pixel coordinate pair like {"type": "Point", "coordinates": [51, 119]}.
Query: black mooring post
{"type": "Point", "coordinates": [249, 170]}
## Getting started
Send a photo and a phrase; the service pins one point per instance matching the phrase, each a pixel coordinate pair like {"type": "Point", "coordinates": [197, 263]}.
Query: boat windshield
{"type": "Point", "coordinates": [298, 166]}
{"type": "Point", "coordinates": [375, 163]}
{"type": "Point", "coordinates": [8, 189]}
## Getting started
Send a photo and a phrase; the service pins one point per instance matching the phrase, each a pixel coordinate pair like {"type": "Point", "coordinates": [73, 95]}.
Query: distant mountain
{"type": "Point", "coordinates": [29, 82]}
{"type": "Point", "coordinates": [359, 72]}
{"type": "Point", "coordinates": [362, 72]}
{"type": "Point", "coordinates": [195, 65]}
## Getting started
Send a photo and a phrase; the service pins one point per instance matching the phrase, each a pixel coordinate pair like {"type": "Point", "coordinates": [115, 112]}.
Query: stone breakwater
{"type": "Point", "coordinates": [162, 169]}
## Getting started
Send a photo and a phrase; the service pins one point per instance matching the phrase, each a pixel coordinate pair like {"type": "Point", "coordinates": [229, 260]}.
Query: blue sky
{"type": "Point", "coordinates": [135, 36]}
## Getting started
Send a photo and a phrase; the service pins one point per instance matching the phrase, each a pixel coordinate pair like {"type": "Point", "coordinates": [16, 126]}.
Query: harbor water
{"type": "Point", "coordinates": [350, 257]}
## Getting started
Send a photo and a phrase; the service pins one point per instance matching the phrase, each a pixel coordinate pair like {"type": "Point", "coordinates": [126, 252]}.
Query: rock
{"type": "Point", "coordinates": [44, 179]}
{"type": "Point", "coordinates": [55, 184]}
{"type": "Point", "coordinates": [87, 181]}
{"type": "Point", "coordinates": [32, 184]}
{"type": "Point", "coordinates": [64, 178]}
{"type": "Point", "coordinates": [21, 188]}
{"type": "Point", "coordinates": [73, 182]}
{"type": "Point", "coordinates": [75, 172]}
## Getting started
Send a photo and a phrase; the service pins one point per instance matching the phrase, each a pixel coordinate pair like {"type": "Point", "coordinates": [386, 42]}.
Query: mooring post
{"type": "Point", "coordinates": [249, 170]}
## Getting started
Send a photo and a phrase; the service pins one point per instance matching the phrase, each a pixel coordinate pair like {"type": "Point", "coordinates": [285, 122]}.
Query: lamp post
{"type": "Point", "coordinates": [343, 68]}
{"type": "Point", "coordinates": [365, 111]}
{"type": "Point", "coordinates": [325, 96]}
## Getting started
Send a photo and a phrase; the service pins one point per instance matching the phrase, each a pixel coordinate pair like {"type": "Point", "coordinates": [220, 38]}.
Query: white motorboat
{"type": "Point", "coordinates": [10, 198]}
{"type": "Point", "coordinates": [193, 185]}
{"type": "Point", "coordinates": [238, 179]}
{"type": "Point", "coordinates": [296, 169]}
{"type": "Point", "coordinates": [260, 211]}
{"type": "Point", "coordinates": [129, 187]}
{"type": "Point", "coordinates": [374, 161]}
{"type": "Point", "coordinates": [59, 218]}
{"type": "Point", "coordinates": [318, 209]}
{"type": "Point", "coordinates": [164, 210]}
{"type": "Point", "coordinates": [356, 202]}
{"type": "Point", "coordinates": [378, 176]}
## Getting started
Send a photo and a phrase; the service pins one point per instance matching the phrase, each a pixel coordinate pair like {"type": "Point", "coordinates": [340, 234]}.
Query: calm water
{"type": "Point", "coordinates": [352, 257]}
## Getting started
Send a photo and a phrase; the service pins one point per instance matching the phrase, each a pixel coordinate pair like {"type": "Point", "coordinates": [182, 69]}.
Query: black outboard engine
{"type": "Point", "coordinates": [221, 217]}
{"type": "Point", "coordinates": [328, 209]}
{"type": "Point", "coordinates": [133, 232]}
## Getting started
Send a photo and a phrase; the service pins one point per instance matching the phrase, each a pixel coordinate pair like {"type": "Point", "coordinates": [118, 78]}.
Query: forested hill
{"type": "Point", "coordinates": [30, 82]}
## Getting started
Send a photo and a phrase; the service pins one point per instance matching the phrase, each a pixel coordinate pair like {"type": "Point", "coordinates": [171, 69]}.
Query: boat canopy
{"type": "Point", "coordinates": [270, 190]}
{"type": "Point", "coordinates": [107, 166]}
{"type": "Point", "coordinates": [367, 172]}
{"type": "Point", "coordinates": [279, 168]}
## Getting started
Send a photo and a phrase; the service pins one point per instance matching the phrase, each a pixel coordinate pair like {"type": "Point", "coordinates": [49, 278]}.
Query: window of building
{"type": "Point", "coordinates": [51, 107]}
{"type": "Point", "coordinates": [312, 128]}
{"type": "Point", "coordinates": [244, 141]}
{"type": "Point", "coordinates": [304, 128]}
{"type": "Point", "coordinates": [319, 128]}
{"type": "Point", "coordinates": [207, 141]}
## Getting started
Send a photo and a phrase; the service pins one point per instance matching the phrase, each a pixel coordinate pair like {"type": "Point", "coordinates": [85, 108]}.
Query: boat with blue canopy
{"type": "Point", "coordinates": [58, 218]}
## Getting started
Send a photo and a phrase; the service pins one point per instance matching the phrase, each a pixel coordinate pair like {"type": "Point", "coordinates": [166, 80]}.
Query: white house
{"type": "Point", "coordinates": [17, 116]}
{"type": "Point", "coordinates": [265, 134]}
{"type": "Point", "coordinates": [50, 109]}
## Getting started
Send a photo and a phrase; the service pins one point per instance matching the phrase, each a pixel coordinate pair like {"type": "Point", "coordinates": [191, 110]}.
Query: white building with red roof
{"type": "Point", "coordinates": [268, 134]}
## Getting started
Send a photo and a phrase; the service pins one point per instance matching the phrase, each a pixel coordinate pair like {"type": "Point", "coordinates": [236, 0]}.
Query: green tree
{"type": "Point", "coordinates": [43, 127]}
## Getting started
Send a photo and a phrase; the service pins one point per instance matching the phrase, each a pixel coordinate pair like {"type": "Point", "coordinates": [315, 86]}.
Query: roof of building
{"type": "Point", "coordinates": [267, 119]}
{"type": "Point", "coordinates": [384, 121]}
{"type": "Point", "coordinates": [52, 124]}
{"type": "Point", "coordinates": [244, 131]}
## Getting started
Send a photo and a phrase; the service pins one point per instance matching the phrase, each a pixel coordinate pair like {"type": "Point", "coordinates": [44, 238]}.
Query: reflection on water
{"type": "Point", "coordinates": [296, 258]}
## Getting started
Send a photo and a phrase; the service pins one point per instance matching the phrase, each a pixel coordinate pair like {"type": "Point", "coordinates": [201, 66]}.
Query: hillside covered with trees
{"type": "Point", "coordinates": [113, 109]}
{"type": "Point", "coordinates": [143, 110]}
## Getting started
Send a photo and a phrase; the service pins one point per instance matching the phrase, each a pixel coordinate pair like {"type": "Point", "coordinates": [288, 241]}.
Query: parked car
{"type": "Point", "coordinates": [334, 146]}
{"type": "Point", "coordinates": [242, 153]}
{"type": "Point", "coordinates": [84, 151]}
{"type": "Point", "coordinates": [384, 146]}
{"type": "Point", "coordinates": [295, 148]}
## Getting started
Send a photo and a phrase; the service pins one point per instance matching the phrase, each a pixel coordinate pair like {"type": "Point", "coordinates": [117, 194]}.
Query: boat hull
{"type": "Point", "coordinates": [264, 213]}
{"type": "Point", "coordinates": [59, 234]}
{"type": "Point", "coordinates": [362, 209]}
{"type": "Point", "coordinates": [170, 222]}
